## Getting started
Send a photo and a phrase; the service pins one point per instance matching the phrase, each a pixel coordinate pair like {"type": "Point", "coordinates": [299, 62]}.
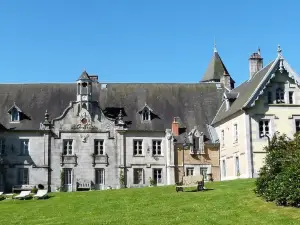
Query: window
{"type": "Point", "coordinates": [146, 114]}
{"type": "Point", "coordinates": [297, 124]}
{"type": "Point", "coordinates": [138, 176]}
{"type": "Point", "coordinates": [23, 176]}
{"type": "Point", "coordinates": [235, 134]}
{"type": "Point", "coordinates": [279, 95]}
{"type": "Point", "coordinates": [67, 176]}
{"type": "Point", "coordinates": [84, 89]}
{"type": "Point", "coordinates": [15, 115]}
{"type": "Point", "coordinates": [203, 172]}
{"type": "Point", "coordinates": [270, 98]}
{"type": "Point", "coordinates": [224, 168]}
{"type": "Point", "coordinates": [68, 148]}
{"type": "Point", "coordinates": [157, 176]}
{"type": "Point", "coordinates": [137, 147]}
{"type": "Point", "coordinates": [156, 147]}
{"type": "Point", "coordinates": [99, 147]}
{"type": "Point", "coordinates": [2, 178]}
{"type": "Point", "coordinates": [195, 143]}
{"type": "Point", "coordinates": [237, 166]}
{"type": "Point", "coordinates": [264, 128]}
{"type": "Point", "coordinates": [24, 147]}
{"type": "Point", "coordinates": [2, 146]}
{"type": "Point", "coordinates": [291, 97]}
{"type": "Point", "coordinates": [190, 171]}
{"type": "Point", "coordinates": [99, 176]}
{"type": "Point", "coordinates": [222, 138]}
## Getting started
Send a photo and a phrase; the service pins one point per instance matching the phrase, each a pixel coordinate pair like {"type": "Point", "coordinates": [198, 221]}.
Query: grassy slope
{"type": "Point", "coordinates": [229, 203]}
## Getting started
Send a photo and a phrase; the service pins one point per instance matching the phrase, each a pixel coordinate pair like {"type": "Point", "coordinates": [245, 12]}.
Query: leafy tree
{"type": "Point", "coordinates": [279, 178]}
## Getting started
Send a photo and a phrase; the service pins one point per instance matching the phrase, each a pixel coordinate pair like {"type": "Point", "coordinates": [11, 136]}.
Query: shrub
{"type": "Point", "coordinates": [279, 178]}
{"type": "Point", "coordinates": [34, 190]}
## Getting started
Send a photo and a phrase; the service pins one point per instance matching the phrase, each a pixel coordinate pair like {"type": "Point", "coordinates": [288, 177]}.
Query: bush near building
{"type": "Point", "coordinates": [279, 178]}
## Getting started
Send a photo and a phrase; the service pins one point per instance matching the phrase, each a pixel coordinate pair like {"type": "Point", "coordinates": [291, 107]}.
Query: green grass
{"type": "Point", "coordinates": [231, 202]}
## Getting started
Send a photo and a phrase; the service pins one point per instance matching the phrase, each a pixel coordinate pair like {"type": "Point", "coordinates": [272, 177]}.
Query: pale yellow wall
{"type": "Point", "coordinates": [282, 116]}
{"type": "Point", "coordinates": [230, 149]}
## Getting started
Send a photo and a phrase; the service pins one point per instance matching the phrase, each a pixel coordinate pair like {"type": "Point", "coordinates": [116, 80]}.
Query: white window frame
{"type": "Point", "coordinates": [237, 165]}
{"type": "Point", "coordinates": [24, 143]}
{"type": "Point", "coordinates": [156, 147]}
{"type": "Point", "coordinates": [13, 112]}
{"type": "Point", "coordinates": [2, 146]}
{"type": "Point", "coordinates": [156, 175]}
{"type": "Point", "coordinates": [146, 114]}
{"type": "Point", "coordinates": [99, 147]}
{"type": "Point", "coordinates": [224, 172]}
{"type": "Point", "coordinates": [137, 147]}
{"type": "Point", "coordinates": [99, 176]}
{"type": "Point", "coordinates": [235, 133]}
{"type": "Point", "coordinates": [68, 143]}
{"type": "Point", "coordinates": [222, 137]}
{"type": "Point", "coordinates": [138, 176]}
{"type": "Point", "coordinates": [190, 171]}
{"type": "Point", "coordinates": [263, 133]}
{"type": "Point", "coordinates": [68, 176]}
{"type": "Point", "coordinates": [289, 97]}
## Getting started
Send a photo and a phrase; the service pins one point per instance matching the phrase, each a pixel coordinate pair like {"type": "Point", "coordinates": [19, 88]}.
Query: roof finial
{"type": "Point", "coordinates": [279, 50]}
{"type": "Point", "coordinates": [258, 50]}
{"type": "Point", "coordinates": [215, 45]}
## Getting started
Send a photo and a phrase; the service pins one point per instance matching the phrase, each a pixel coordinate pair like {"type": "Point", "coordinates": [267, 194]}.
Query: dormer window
{"type": "Point", "coordinates": [15, 116]}
{"type": "Point", "coordinates": [146, 115]}
{"type": "Point", "coordinates": [279, 95]}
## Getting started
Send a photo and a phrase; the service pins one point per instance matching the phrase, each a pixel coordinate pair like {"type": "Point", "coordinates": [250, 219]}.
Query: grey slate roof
{"type": "Point", "coordinates": [195, 104]}
{"type": "Point", "coordinates": [215, 70]}
{"type": "Point", "coordinates": [245, 91]}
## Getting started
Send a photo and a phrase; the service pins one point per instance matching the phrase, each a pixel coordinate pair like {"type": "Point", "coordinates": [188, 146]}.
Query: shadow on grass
{"type": "Point", "coordinates": [207, 189]}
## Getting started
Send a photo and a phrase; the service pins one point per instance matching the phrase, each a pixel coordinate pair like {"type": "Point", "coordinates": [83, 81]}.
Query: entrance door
{"type": "Point", "coordinates": [68, 179]}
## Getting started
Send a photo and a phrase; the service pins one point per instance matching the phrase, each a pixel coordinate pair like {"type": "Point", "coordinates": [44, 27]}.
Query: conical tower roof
{"type": "Point", "coordinates": [215, 69]}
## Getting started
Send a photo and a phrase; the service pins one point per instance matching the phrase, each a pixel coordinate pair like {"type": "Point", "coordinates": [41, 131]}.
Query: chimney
{"type": "Point", "coordinates": [255, 63]}
{"type": "Point", "coordinates": [94, 78]}
{"type": "Point", "coordinates": [175, 126]}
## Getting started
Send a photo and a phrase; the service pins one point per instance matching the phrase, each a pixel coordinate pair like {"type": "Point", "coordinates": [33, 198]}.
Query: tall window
{"type": "Point", "coordinates": [203, 172]}
{"type": "Point", "coordinates": [156, 147]}
{"type": "Point", "coordinates": [264, 128]}
{"type": "Point", "coordinates": [270, 97]}
{"type": "Point", "coordinates": [297, 124]}
{"type": "Point", "coordinates": [99, 176]}
{"type": "Point", "coordinates": [24, 147]}
{"type": "Point", "coordinates": [67, 176]}
{"type": "Point", "coordinates": [99, 147]}
{"type": "Point", "coordinates": [235, 134]}
{"type": "Point", "coordinates": [279, 95]}
{"type": "Point", "coordinates": [190, 171]}
{"type": "Point", "coordinates": [2, 175]}
{"type": "Point", "coordinates": [224, 168]}
{"type": "Point", "coordinates": [138, 176]}
{"type": "Point", "coordinates": [157, 175]}
{"type": "Point", "coordinates": [222, 138]}
{"type": "Point", "coordinates": [291, 97]}
{"type": "Point", "coordinates": [137, 147]}
{"type": "Point", "coordinates": [237, 166]}
{"type": "Point", "coordinates": [2, 146]}
{"type": "Point", "coordinates": [15, 115]}
{"type": "Point", "coordinates": [23, 176]}
{"type": "Point", "coordinates": [196, 143]}
{"type": "Point", "coordinates": [68, 147]}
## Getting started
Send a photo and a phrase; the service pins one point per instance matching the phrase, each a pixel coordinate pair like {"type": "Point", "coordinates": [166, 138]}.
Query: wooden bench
{"type": "Point", "coordinates": [191, 181]}
{"type": "Point", "coordinates": [23, 187]}
{"type": "Point", "coordinates": [84, 184]}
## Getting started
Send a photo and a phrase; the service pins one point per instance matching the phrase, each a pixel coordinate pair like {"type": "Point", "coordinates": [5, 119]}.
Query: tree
{"type": "Point", "coordinates": [279, 178]}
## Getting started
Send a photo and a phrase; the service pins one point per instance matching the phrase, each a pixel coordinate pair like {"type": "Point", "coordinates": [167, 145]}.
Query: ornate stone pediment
{"type": "Point", "coordinates": [84, 121]}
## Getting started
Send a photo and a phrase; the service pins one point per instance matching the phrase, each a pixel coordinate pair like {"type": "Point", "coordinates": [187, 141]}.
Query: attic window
{"type": "Point", "coordinates": [279, 95]}
{"type": "Point", "coordinates": [15, 115]}
{"type": "Point", "coordinates": [146, 114]}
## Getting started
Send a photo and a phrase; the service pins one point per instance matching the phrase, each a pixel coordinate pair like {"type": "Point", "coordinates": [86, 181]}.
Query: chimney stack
{"type": "Point", "coordinates": [255, 63]}
{"type": "Point", "coordinates": [175, 126]}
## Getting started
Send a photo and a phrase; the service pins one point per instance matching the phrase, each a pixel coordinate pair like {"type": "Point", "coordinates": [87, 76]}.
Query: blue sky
{"type": "Point", "coordinates": [141, 40]}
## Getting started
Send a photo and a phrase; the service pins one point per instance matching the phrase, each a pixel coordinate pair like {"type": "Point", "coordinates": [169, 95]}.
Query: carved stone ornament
{"type": "Point", "coordinates": [84, 137]}
{"type": "Point", "coordinates": [85, 122]}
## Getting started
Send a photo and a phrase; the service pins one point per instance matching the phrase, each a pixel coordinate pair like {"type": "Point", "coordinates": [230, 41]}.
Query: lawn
{"type": "Point", "coordinates": [231, 202]}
